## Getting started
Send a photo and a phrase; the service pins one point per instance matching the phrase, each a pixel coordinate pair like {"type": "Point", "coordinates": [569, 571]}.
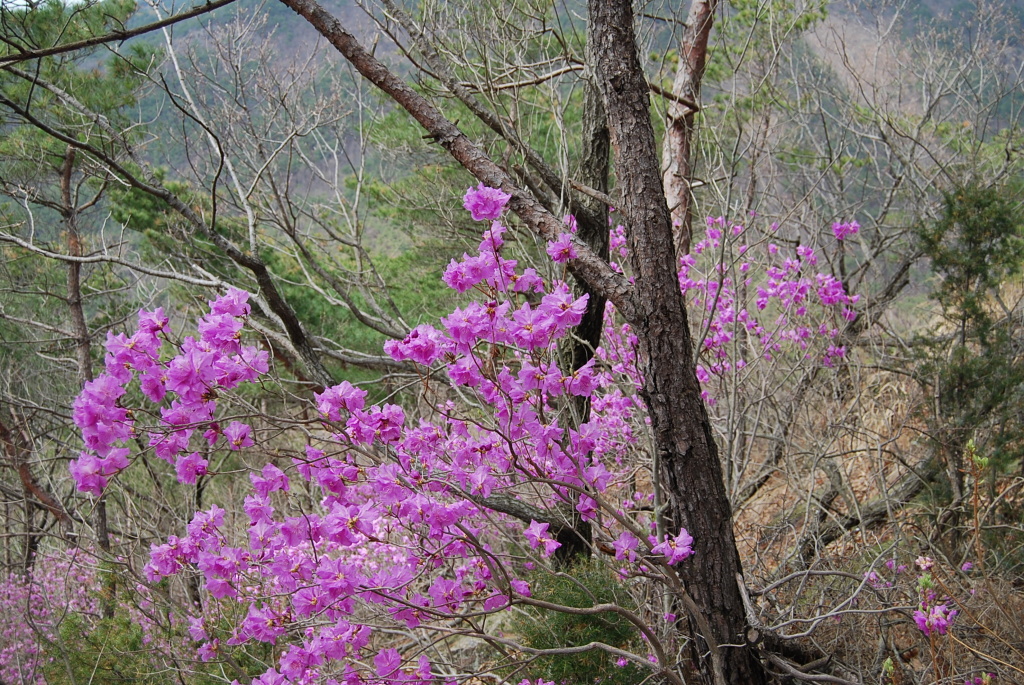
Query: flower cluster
{"type": "Point", "coordinates": [843, 230]}
{"type": "Point", "coordinates": [485, 203]}
{"type": "Point", "coordinates": [202, 367]}
{"type": "Point", "coordinates": [750, 302]}
{"type": "Point", "coordinates": [31, 607]}
{"type": "Point", "coordinates": [804, 302]}
{"type": "Point", "coordinates": [674, 549]}
{"type": "Point", "coordinates": [934, 618]}
{"type": "Point", "coordinates": [931, 616]}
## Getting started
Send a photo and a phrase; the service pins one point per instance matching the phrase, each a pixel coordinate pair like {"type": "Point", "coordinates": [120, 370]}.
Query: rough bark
{"type": "Point", "coordinates": [688, 465]}
{"type": "Point", "coordinates": [592, 224]}
{"type": "Point", "coordinates": [680, 124]}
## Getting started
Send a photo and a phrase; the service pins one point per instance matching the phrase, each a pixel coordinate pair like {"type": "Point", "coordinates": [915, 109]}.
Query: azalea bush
{"type": "Point", "coordinates": [431, 526]}
{"type": "Point", "coordinates": [53, 626]}
{"type": "Point", "coordinates": [31, 608]}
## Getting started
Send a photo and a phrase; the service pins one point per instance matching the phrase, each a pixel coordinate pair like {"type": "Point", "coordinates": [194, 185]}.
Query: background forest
{"type": "Point", "coordinates": [845, 186]}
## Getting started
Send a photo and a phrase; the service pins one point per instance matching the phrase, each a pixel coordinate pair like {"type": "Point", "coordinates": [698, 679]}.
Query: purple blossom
{"type": "Point", "coordinates": [233, 303]}
{"type": "Point", "coordinates": [87, 471]}
{"type": "Point", "coordinates": [675, 549]}
{"type": "Point", "coordinates": [562, 249]}
{"type": "Point", "coordinates": [270, 480]}
{"type": "Point", "coordinates": [845, 230]}
{"type": "Point", "coordinates": [936, 618]}
{"type": "Point", "coordinates": [537, 535]}
{"type": "Point", "coordinates": [625, 546]}
{"type": "Point", "coordinates": [153, 322]}
{"type": "Point", "coordinates": [208, 650]}
{"type": "Point", "coordinates": [340, 397]}
{"type": "Point", "coordinates": [238, 435]}
{"type": "Point", "coordinates": [485, 203]}
{"type": "Point", "coordinates": [190, 468]}
{"type": "Point", "coordinates": [806, 254]}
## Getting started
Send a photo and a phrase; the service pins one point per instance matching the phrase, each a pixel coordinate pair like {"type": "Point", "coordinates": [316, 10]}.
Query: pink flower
{"type": "Point", "coordinates": [387, 662]}
{"type": "Point", "coordinates": [484, 203]}
{"type": "Point", "coordinates": [208, 650]}
{"type": "Point", "coordinates": [271, 479]}
{"type": "Point", "coordinates": [625, 546]}
{"type": "Point", "coordinates": [238, 435]}
{"type": "Point", "coordinates": [563, 307]}
{"type": "Point", "coordinates": [331, 401]}
{"type": "Point", "coordinates": [534, 327]}
{"type": "Point", "coordinates": [537, 534]}
{"type": "Point", "coordinates": [190, 468]}
{"type": "Point", "coordinates": [308, 601]}
{"type": "Point", "coordinates": [563, 249]}
{"type": "Point", "coordinates": [675, 549]}
{"type": "Point", "coordinates": [196, 630]}
{"type": "Point", "coordinates": [938, 619]}
{"type": "Point", "coordinates": [461, 276]}
{"type": "Point", "coordinates": [492, 241]}
{"type": "Point", "coordinates": [528, 281]}
{"type": "Point", "coordinates": [807, 254]}
{"type": "Point", "coordinates": [845, 230]}
{"type": "Point", "coordinates": [262, 624]}
{"type": "Point", "coordinates": [233, 303]}
{"type": "Point", "coordinates": [87, 471]}
{"type": "Point", "coordinates": [154, 321]}
{"type": "Point", "coordinates": [115, 461]}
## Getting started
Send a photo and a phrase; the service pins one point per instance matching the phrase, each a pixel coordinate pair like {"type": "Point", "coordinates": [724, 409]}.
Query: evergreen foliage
{"type": "Point", "coordinates": [584, 585]}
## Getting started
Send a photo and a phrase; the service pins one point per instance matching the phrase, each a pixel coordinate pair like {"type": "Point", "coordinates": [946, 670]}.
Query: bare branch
{"type": "Point", "coordinates": [26, 54]}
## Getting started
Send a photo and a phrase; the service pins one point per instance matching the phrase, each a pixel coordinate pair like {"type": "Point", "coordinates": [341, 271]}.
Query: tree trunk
{"type": "Point", "coordinates": [689, 470]}
{"type": "Point", "coordinates": [592, 228]}
{"type": "Point", "coordinates": [83, 348]}
{"type": "Point", "coordinates": [679, 128]}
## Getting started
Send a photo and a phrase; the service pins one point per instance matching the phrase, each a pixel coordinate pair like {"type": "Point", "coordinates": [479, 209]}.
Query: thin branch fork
{"type": "Point", "coordinates": [537, 80]}
{"type": "Point", "coordinates": [797, 674]}
{"type": "Point", "coordinates": [107, 259]}
{"type": "Point", "coordinates": [591, 192]}
{"type": "Point", "coordinates": [441, 71]}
